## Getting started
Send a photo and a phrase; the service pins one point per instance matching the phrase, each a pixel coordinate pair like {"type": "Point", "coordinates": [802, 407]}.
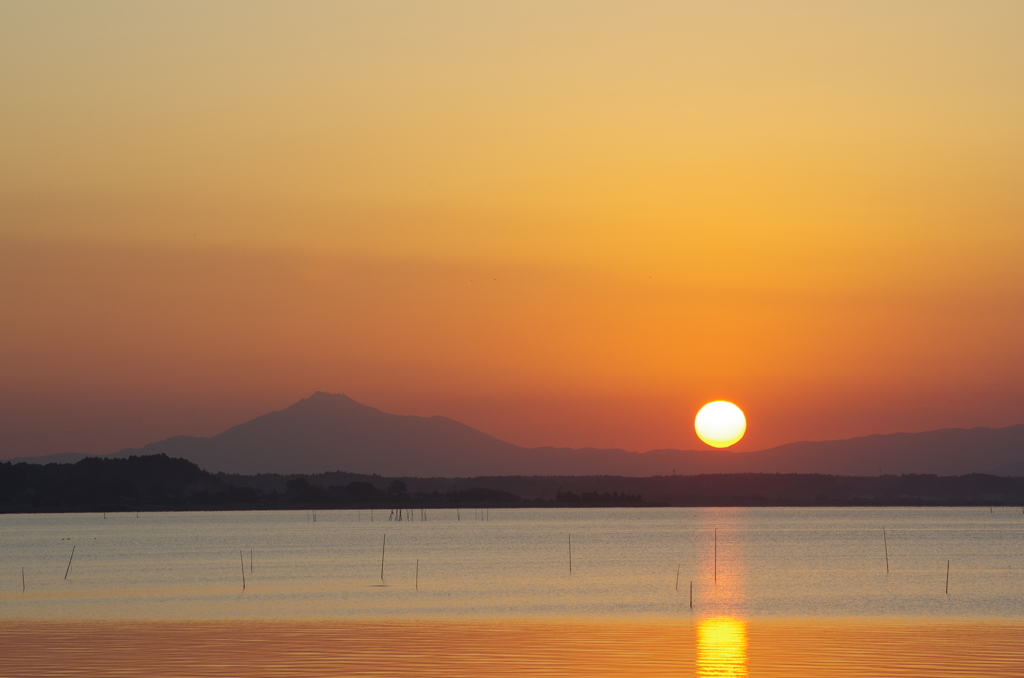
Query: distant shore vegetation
{"type": "Point", "coordinates": [158, 482]}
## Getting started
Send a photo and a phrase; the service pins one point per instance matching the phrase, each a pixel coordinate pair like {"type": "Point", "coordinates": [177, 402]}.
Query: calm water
{"type": "Point", "coordinates": [514, 564]}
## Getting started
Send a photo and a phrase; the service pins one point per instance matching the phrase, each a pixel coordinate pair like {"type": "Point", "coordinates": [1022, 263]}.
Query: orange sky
{"type": "Point", "coordinates": [562, 223]}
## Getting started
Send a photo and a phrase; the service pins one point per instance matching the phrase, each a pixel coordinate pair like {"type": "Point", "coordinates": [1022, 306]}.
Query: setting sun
{"type": "Point", "coordinates": [720, 424]}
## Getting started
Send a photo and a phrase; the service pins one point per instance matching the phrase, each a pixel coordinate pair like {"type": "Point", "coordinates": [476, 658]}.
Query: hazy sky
{"type": "Point", "coordinates": [562, 223]}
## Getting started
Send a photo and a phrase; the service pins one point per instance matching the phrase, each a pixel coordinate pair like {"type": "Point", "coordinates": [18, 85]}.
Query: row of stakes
{"type": "Point", "coordinates": [384, 544]}
{"type": "Point", "coordinates": [482, 514]}
{"type": "Point", "coordinates": [398, 515]}
{"type": "Point", "coordinates": [885, 542]}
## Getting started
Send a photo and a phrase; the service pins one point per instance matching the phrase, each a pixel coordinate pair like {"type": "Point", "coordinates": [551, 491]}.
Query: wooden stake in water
{"type": "Point", "coordinates": [383, 546]}
{"type": "Point", "coordinates": [250, 560]}
{"type": "Point", "coordinates": [570, 554]}
{"type": "Point", "coordinates": [885, 542]}
{"type": "Point", "coordinates": [69, 561]}
{"type": "Point", "coordinates": [691, 594]}
{"type": "Point", "coordinates": [242, 562]}
{"type": "Point", "coordinates": [23, 580]}
{"type": "Point", "coordinates": [716, 555]}
{"type": "Point", "coordinates": [947, 577]}
{"type": "Point", "coordinates": [417, 574]}
{"type": "Point", "coordinates": [677, 578]}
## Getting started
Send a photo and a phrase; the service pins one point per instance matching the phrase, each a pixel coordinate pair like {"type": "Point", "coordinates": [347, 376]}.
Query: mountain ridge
{"type": "Point", "coordinates": [331, 432]}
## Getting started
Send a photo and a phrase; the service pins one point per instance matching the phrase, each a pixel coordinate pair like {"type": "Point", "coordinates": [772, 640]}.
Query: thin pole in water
{"type": "Point", "coordinates": [716, 555]}
{"type": "Point", "coordinates": [677, 577]}
{"type": "Point", "coordinates": [23, 580]}
{"type": "Point", "coordinates": [458, 517]}
{"type": "Point", "coordinates": [241, 561]}
{"type": "Point", "coordinates": [250, 560]}
{"type": "Point", "coordinates": [383, 546]}
{"type": "Point", "coordinates": [69, 561]}
{"type": "Point", "coordinates": [417, 574]}
{"type": "Point", "coordinates": [570, 553]}
{"type": "Point", "coordinates": [885, 542]}
{"type": "Point", "coordinates": [691, 594]}
{"type": "Point", "coordinates": [947, 577]}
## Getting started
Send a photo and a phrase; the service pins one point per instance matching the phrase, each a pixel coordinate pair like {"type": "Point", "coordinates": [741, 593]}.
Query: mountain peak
{"type": "Point", "coordinates": [324, 396]}
{"type": "Point", "coordinates": [321, 395]}
{"type": "Point", "coordinates": [322, 401]}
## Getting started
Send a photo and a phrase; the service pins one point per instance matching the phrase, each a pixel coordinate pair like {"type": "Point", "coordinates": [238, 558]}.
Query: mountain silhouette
{"type": "Point", "coordinates": [331, 432]}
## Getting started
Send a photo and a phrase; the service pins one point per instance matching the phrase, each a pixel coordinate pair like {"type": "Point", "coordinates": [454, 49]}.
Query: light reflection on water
{"type": "Point", "coordinates": [496, 597]}
{"type": "Point", "coordinates": [545, 649]}
{"type": "Point", "coordinates": [722, 629]}
{"type": "Point", "coordinates": [779, 592]}
{"type": "Point", "coordinates": [769, 563]}
{"type": "Point", "coordinates": [722, 647]}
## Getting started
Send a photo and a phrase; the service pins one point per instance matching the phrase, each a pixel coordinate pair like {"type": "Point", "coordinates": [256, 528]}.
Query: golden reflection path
{"type": "Point", "coordinates": [722, 648]}
{"type": "Point", "coordinates": [721, 631]}
{"type": "Point", "coordinates": [817, 648]}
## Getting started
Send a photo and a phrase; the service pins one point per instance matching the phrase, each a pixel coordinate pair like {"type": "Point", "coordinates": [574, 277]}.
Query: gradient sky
{"type": "Point", "coordinates": [561, 223]}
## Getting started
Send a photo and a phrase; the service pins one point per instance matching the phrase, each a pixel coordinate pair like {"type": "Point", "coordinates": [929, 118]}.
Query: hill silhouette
{"type": "Point", "coordinates": [331, 432]}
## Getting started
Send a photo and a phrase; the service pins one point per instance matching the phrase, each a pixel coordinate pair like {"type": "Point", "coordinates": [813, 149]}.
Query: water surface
{"type": "Point", "coordinates": [775, 592]}
{"type": "Point", "coordinates": [514, 563]}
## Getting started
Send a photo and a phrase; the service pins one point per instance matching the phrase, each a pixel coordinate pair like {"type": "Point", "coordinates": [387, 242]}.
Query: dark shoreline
{"type": "Point", "coordinates": [160, 483]}
{"type": "Point", "coordinates": [7, 510]}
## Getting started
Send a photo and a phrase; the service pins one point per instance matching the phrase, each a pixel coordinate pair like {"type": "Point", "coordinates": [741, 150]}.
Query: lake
{"type": "Point", "coordinates": [772, 589]}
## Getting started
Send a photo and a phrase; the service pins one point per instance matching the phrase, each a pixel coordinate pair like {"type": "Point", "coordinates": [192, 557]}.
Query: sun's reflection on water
{"type": "Point", "coordinates": [722, 647]}
{"type": "Point", "coordinates": [721, 642]}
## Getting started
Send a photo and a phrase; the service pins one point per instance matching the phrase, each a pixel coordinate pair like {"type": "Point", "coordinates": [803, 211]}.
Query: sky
{"type": "Point", "coordinates": [563, 223]}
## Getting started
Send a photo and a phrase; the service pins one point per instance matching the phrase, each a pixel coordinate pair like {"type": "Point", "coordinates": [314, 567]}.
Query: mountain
{"type": "Point", "coordinates": [947, 452]}
{"type": "Point", "coordinates": [330, 432]}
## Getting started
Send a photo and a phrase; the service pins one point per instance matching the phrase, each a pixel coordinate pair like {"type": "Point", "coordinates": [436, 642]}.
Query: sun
{"type": "Point", "coordinates": [720, 424]}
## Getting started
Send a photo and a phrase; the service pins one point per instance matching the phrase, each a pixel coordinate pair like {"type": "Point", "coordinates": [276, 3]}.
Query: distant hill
{"type": "Point", "coordinates": [59, 458]}
{"type": "Point", "coordinates": [330, 432]}
{"type": "Point", "coordinates": [105, 484]}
